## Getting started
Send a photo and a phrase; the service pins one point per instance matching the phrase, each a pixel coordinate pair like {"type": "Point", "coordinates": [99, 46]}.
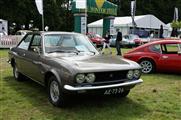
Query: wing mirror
{"type": "Point", "coordinates": [37, 50]}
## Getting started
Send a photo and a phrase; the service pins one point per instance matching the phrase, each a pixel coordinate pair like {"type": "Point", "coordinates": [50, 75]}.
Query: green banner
{"type": "Point", "coordinates": [97, 7]}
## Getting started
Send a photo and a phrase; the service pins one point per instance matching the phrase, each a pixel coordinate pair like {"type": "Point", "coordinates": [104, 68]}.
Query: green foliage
{"type": "Point", "coordinates": [176, 24]}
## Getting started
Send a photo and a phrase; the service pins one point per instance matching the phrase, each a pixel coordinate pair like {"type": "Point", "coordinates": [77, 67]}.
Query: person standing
{"type": "Point", "coordinates": [118, 42]}
{"type": "Point", "coordinates": [161, 31]}
{"type": "Point", "coordinates": [151, 34]}
{"type": "Point", "coordinates": [106, 42]}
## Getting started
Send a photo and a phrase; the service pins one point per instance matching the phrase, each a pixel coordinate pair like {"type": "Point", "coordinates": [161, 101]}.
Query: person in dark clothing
{"type": "Point", "coordinates": [161, 31]}
{"type": "Point", "coordinates": [174, 32]}
{"type": "Point", "coordinates": [118, 42]}
{"type": "Point", "coordinates": [106, 43]}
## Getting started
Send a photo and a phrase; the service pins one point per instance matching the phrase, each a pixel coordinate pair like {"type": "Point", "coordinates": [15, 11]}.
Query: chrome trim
{"type": "Point", "coordinates": [71, 88]}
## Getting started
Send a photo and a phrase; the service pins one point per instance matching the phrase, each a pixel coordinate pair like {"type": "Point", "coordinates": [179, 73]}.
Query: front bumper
{"type": "Point", "coordinates": [130, 83]}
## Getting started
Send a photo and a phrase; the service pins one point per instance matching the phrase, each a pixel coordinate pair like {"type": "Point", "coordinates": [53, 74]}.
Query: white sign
{"type": "Point", "coordinates": [83, 25]}
{"type": "Point", "coordinates": [176, 14]}
{"type": "Point", "coordinates": [39, 5]}
{"type": "Point", "coordinates": [133, 8]}
{"type": "Point", "coordinates": [80, 4]}
{"type": "Point", "coordinates": [111, 26]}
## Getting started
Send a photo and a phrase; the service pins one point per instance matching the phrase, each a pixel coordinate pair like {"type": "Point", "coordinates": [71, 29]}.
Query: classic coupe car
{"type": "Point", "coordinates": [68, 64]}
{"type": "Point", "coordinates": [160, 55]}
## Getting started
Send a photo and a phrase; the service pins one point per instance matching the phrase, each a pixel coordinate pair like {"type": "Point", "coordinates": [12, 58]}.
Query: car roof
{"type": "Point", "coordinates": [52, 32]}
{"type": "Point", "coordinates": [24, 31]}
{"type": "Point", "coordinates": [166, 41]}
{"type": "Point", "coordinates": [161, 41]}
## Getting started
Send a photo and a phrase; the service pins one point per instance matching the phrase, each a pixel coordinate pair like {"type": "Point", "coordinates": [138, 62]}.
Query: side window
{"type": "Point", "coordinates": [25, 43]}
{"type": "Point", "coordinates": [36, 42]}
{"type": "Point", "coordinates": [179, 45]}
{"type": "Point", "coordinates": [170, 48]}
{"type": "Point", "coordinates": [155, 48]}
{"type": "Point", "coordinates": [126, 37]}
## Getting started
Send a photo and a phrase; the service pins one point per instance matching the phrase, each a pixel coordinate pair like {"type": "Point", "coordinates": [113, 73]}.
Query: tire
{"type": "Point", "coordinates": [54, 92]}
{"type": "Point", "coordinates": [17, 75]}
{"type": "Point", "coordinates": [148, 66]}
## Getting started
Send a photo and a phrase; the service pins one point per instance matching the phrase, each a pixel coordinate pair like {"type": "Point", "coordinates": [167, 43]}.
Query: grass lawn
{"type": "Point", "coordinates": [4, 53]}
{"type": "Point", "coordinates": [158, 98]}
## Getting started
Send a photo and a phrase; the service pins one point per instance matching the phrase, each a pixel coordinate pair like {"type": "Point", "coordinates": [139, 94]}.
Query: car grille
{"type": "Point", "coordinates": [110, 76]}
{"type": "Point", "coordinates": [106, 78]}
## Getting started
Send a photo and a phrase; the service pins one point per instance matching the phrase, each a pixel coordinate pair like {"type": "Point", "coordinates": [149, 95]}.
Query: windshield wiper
{"type": "Point", "coordinates": [63, 51]}
{"type": "Point", "coordinates": [66, 51]}
{"type": "Point", "coordinates": [93, 52]}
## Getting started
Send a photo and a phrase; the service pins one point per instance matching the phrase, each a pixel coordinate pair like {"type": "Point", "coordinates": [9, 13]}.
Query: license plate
{"type": "Point", "coordinates": [113, 91]}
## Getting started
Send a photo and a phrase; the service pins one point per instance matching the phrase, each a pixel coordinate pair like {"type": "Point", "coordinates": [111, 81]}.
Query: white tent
{"type": "Point", "coordinates": [147, 22]}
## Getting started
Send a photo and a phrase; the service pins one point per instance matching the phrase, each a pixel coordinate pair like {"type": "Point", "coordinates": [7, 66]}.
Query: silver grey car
{"type": "Point", "coordinates": [68, 64]}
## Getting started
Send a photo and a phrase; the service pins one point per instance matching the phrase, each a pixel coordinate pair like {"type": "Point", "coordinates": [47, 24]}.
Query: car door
{"type": "Point", "coordinates": [34, 64]}
{"type": "Point", "coordinates": [170, 57]}
{"type": "Point", "coordinates": [21, 53]}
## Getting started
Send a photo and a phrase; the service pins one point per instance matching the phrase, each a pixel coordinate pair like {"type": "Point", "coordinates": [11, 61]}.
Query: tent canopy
{"type": "Point", "coordinates": [142, 21]}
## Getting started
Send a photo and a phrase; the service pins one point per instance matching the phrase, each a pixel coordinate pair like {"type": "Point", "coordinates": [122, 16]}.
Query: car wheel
{"type": "Point", "coordinates": [147, 66]}
{"type": "Point", "coordinates": [17, 75]}
{"type": "Point", "coordinates": [54, 92]}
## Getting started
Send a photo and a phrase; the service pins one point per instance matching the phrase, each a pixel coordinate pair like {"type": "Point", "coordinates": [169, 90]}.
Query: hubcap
{"type": "Point", "coordinates": [146, 66]}
{"type": "Point", "coordinates": [54, 91]}
{"type": "Point", "coordinates": [16, 73]}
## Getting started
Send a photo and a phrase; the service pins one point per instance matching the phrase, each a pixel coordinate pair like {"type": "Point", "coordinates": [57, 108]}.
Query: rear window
{"type": "Point", "coordinates": [155, 48]}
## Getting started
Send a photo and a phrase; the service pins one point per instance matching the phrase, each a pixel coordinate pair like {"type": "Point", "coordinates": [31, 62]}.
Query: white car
{"type": "Point", "coordinates": [131, 40]}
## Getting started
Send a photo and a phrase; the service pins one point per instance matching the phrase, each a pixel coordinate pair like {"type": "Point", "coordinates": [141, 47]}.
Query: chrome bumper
{"type": "Point", "coordinates": [71, 88]}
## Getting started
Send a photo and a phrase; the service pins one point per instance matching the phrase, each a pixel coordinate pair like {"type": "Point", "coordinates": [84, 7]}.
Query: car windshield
{"type": "Point", "coordinates": [97, 35]}
{"type": "Point", "coordinates": [68, 43]}
{"type": "Point", "coordinates": [133, 37]}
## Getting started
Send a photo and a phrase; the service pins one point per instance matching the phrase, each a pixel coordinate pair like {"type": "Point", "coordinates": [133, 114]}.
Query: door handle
{"type": "Point", "coordinates": [164, 57]}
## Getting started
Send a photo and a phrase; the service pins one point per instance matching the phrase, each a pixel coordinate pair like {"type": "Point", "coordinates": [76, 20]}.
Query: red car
{"type": "Point", "coordinates": [96, 39]}
{"type": "Point", "coordinates": [160, 56]}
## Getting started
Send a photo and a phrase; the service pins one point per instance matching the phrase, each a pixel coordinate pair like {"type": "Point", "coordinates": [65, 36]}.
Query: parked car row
{"type": "Point", "coordinates": [130, 40]}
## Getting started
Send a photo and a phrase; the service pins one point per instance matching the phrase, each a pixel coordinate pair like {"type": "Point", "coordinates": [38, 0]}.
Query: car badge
{"type": "Point", "coordinates": [111, 75]}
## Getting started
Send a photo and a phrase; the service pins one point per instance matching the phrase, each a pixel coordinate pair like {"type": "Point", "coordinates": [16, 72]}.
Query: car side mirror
{"type": "Point", "coordinates": [37, 50]}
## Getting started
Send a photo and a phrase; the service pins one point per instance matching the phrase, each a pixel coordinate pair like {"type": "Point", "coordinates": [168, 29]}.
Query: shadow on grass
{"type": "Point", "coordinates": [80, 107]}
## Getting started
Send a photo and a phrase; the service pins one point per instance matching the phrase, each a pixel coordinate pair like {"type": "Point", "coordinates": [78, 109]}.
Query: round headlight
{"type": "Point", "coordinates": [130, 74]}
{"type": "Point", "coordinates": [137, 74]}
{"type": "Point", "coordinates": [90, 78]}
{"type": "Point", "coordinates": [80, 78]}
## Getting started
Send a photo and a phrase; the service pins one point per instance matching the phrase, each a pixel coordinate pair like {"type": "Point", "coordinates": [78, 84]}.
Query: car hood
{"type": "Point", "coordinates": [98, 63]}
